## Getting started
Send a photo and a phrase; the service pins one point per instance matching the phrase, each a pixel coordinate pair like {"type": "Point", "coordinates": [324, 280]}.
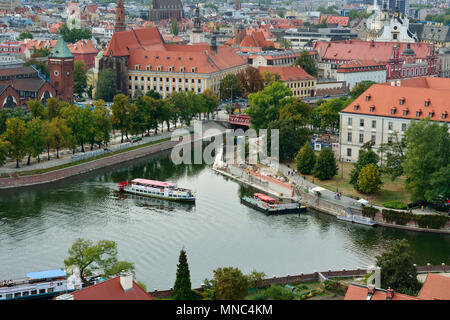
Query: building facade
{"type": "Point", "coordinates": [60, 63]}
{"type": "Point", "coordinates": [387, 109]}
{"type": "Point", "coordinates": [166, 9]}
{"type": "Point", "coordinates": [361, 70]}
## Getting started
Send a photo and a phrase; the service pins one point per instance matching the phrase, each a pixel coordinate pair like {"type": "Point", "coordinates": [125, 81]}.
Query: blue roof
{"type": "Point", "coordinates": [46, 274]}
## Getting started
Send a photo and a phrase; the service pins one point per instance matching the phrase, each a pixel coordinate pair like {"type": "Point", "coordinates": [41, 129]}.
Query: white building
{"type": "Point", "coordinates": [388, 108]}
{"type": "Point", "coordinates": [356, 71]}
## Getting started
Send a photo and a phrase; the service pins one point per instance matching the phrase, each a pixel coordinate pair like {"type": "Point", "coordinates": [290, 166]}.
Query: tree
{"type": "Point", "coordinates": [326, 166]}
{"type": "Point", "coordinates": [153, 94]}
{"type": "Point", "coordinates": [393, 155]}
{"type": "Point", "coordinates": [251, 81]}
{"type": "Point", "coordinates": [291, 138]}
{"type": "Point", "coordinates": [80, 122]}
{"type": "Point", "coordinates": [41, 52]}
{"type": "Point", "coordinates": [265, 105]}
{"type": "Point", "coordinates": [53, 108]}
{"type": "Point", "coordinates": [307, 63]}
{"type": "Point", "coordinates": [182, 287]}
{"type": "Point", "coordinates": [25, 35]}
{"type": "Point", "coordinates": [230, 284]}
{"type": "Point", "coordinates": [79, 77]}
{"type": "Point", "coordinates": [15, 134]}
{"type": "Point", "coordinates": [255, 279]}
{"type": "Point", "coordinates": [270, 77]}
{"type": "Point", "coordinates": [397, 270]}
{"type": "Point", "coordinates": [102, 123]}
{"type": "Point", "coordinates": [298, 111]}
{"type": "Point", "coordinates": [366, 156]}
{"type": "Point", "coordinates": [174, 27]}
{"type": "Point", "coordinates": [326, 115]}
{"type": "Point", "coordinates": [122, 113]}
{"type": "Point", "coordinates": [428, 150]}
{"type": "Point", "coordinates": [100, 257]}
{"type": "Point", "coordinates": [34, 138]}
{"type": "Point", "coordinates": [59, 134]}
{"type": "Point", "coordinates": [106, 84]}
{"type": "Point", "coordinates": [211, 101]}
{"type": "Point", "coordinates": [360, 88]}
{"type": "Point", "coordinates": [42, 67]}
{"type": "Point", "coordinates": [74, 35]}
{"type": "Point", "coordinates": [305, 159]}
{"type": "Point", "coordinates": [229, 85]}
{"type": "Point", "coordinates": [440, 185]}
{"type": "Point", "coordinates": [286, 43]}
{"type": "Point", "coordinates": [4, 151]}
{"type": "Point", "coordinates": [36, 107]}
{"type": "Point", "coordinates": [369, 180]}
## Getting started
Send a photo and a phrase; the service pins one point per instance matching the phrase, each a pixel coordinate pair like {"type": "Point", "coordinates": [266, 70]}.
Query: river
{"type": "Point", "coordinates": [38, 226]}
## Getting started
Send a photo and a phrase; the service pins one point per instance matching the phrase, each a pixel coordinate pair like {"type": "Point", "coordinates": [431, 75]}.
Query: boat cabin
{"type": "Point", "coordinates": [264, 198]}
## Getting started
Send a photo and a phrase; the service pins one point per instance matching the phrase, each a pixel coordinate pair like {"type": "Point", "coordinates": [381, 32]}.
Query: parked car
{"type": "Point", "coordinates": [136, 139]}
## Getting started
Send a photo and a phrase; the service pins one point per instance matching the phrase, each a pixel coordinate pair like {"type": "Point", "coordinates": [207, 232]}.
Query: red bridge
{"type": "Point", "coordinates": [241, 120]}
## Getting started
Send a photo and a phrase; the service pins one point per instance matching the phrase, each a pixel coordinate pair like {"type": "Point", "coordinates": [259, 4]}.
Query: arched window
{"type": "Point", "coordinates": [10, 102]}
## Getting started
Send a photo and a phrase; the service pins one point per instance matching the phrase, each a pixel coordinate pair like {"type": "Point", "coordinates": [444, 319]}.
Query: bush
{"type": "Point", "coordinates": [433, 221]}
{"type": "Point", "coordinates": [399, 217]}
{"type": "Point", "coordinates": [279, 293]}
{"type": "Point", "coordinates": [260, 296]}
{"type": "Point", "coordinates": [369, 212]}
{"type": "Point", "coordinates": [395, 204]}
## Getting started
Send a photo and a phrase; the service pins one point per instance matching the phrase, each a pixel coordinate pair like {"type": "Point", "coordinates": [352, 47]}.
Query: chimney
{"type": "Point", "coordinates": [371, 289]}
{"type": "Point", "coordinates": [389, 294]}
{"type": "Point", "coordinates": [126, 281]}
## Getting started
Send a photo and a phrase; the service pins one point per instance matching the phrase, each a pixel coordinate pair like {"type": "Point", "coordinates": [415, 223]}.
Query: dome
{"type": "Point", "coordinates": [408, 51]}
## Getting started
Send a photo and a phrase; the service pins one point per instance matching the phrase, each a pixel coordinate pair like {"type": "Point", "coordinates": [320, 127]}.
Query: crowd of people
{"type": "Point", "coordinates": [8, 283]}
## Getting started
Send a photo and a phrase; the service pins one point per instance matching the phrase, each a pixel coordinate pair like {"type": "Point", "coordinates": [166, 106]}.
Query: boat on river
{"type": "Point", "coordinates": [38, 285]}
{"type": "Point", "coordinates": [157, 189]}
{"type": "Point", "coordinates": [270, 206]}
{"type": "Point", "coordinates": [357, 219]}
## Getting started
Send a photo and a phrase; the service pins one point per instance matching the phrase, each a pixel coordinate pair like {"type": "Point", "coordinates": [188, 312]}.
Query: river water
{"type": "Point", "coordinates": [38, 226]}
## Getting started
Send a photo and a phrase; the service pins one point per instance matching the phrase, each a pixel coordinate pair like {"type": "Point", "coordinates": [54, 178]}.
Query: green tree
{"type": "Point", "coordinates": [307, 63]}
{"type": "Point", "coordinates": [255, 279]}
{"type": "Point", "coordinates": [36, 107]}
{"type": "Point", "coordinates": [74, 35]}
{"type": "Point", "coordinates": [106, 85]}
{"type": "Point", "coordinates": [4, 150]}
{"type": "Point", "coordinates": [42, 67]}
{"type": "Point", "coordinates": [34, 138]}
{"type": "Point", "coordinates": [428, 150]}
{"type": "Point", "coordinates": [211, 101]}
{"type": "Point", "coordinates": [266, 104]}
{"type": "Point", "coordinates": [59, 134]}
{"type": "Point", "coordinates": [53, 108]}
{"type": "Point", "coordinates": [15, 134]}
{"type": "Point", "coordinates": [100, 257]}
{"type": "Point", "coordinates": [328, 112]}
{"type": "Point", "coordinates": [366, 156]}
{"type": "Point", "coordinates": [230, 284]}
{"type": "Point", "coordinates": [291, 138]}
{"type": "Point", "coordinates": [369, 179]}
{"type": "Point", "coordinates": [174, 27]}
{"type": "Point", "coordinates": [25, 35]}
{"type": "Point", "coordinates": [182, 287]}
{"type": "Point", "coordinates": [41, 52]}
{"type": "Point", "coordinates": [440, 185]}
{"type": "Point", "coordinates": [122, 114]}
{"type": "Point", "coordinates": [154, 94]}
{"type": "Point", "coordinates": [326, 166]}
{"type": "Point", "coordinates": [270, 77]}
{"type": "Point", "coordinates": [230, 84]}
{"type": "Point", "coordinates": [298, 111]}
{"type": "Point", "coordinates": [79, 121]}
{"type": "Point", "coordinates": [79, 78]}
{"type": "Point", "coordinates": [305, 159]}
{"type": "Point", "coordinates": [360, 88]}
{"type": "Point", "coordinates": [393, 154]}
{"type": "Point", "coordinates": [102, 123]}
{"type": "Point", "coordinates": [286, 43]}
{"type": "Point", "coordinates": [397, 269]}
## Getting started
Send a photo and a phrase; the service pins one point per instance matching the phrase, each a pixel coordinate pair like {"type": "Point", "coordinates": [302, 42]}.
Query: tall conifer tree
{"type": "Point", "coordinates": [182, 288]}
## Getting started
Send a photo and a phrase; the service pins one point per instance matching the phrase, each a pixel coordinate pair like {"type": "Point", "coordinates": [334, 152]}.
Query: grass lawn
{"type": "Point", "coordinates": [391, 190]}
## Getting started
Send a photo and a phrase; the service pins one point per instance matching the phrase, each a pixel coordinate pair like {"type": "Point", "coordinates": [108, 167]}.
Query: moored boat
{"type": "Point", "coordinates": [269, 205]}
{"type": "Point", "coordinates": [37, 285]}
{"type": "Point", "coordinates": [357, 219]}
{"type": "Point", "coordinates": [157, 189]}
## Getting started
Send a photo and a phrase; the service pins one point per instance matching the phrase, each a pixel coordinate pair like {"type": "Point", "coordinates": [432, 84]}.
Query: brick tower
{"type": "Point", "coordinates": [120, 17]}
{"type": "Point", "coordinates": [60, 63]}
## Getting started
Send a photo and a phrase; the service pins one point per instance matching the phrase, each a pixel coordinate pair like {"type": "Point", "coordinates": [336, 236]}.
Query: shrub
{"type": "Point", "coordinates": [369, 212]}
{"type": "Point", "coordinates": [279, 293]}
{"type": "Point", "coordinates": [432, 221]}
{"type": "Point", "coordinates": [395, 204]}
{"type": "Point", "coordinates": [399, 217]}
{"type": "Point", "coordinates": [260, 296]}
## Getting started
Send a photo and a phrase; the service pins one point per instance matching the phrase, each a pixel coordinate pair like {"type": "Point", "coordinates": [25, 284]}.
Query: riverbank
{"type": "Point", "coordinates": [66, 171]}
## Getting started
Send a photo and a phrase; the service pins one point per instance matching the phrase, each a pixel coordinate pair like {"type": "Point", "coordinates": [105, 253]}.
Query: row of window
{"type": "Point", "coordinates": [27, 293]}
{"type": "Point", "coordinates": [180, 80]}
{"type": "Point", "coordinates": [374, 124]}
{"type": "Point", "coordinates": [155, 88]}
{"type": "Point", "coordinates": [302, 84]}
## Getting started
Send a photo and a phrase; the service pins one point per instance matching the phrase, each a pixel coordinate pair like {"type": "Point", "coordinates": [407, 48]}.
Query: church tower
{"type": "Point", "coordinates": [120, 17]}
{"type": "Point", "coordinates": [60, 63]}
{"type": "Point", "coordinates": [197, 31]}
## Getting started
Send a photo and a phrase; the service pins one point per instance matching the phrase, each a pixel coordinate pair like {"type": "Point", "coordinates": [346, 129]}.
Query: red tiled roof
{"type": "Point", "coordinates": [82, 47]}
{"type": "Point", "coordinates": [360, 65]}
{"type": "Point", "coordinates": [287, 74]}
{"type": "Point", "coordinates": [111, 290]}
{"type": "Point", "coordinates": [436, 287]}
{"type": "Point", "coordinates": [384, 97]}
{"type": "Point", "coordinates": [355, 49]}
{"type": "Point", "coordinates": [343, 21]}
{"type": "Point", "coordinates": [355, 292]}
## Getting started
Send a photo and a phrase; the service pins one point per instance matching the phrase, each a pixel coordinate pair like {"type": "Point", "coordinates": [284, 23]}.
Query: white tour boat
{"type": "Point", "coordinates": [157, 189]}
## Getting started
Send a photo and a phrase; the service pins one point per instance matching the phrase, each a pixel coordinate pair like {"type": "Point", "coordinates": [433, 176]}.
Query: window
{"type": "Point", "coordinates": [427, 103]}
{"type": "Point", "coordinates": [50, 290]}
{"type": "Point", "coordinates": [349, 152]}
{"type": "Point", "coordinates": [368, 97]}
{"type": "Point", "coordinates": [389, 139]}
{"type": "Point", "coordinates": [418, 113]}
{"type": "Point", "coordinates": [17, 294]}
{"type": "Point", "coordinates": [403, 126]}
{"type": "Point", "coordinates": [361, 122]}
{"type": "Point", "coordinates": [444, 116]}
{"type": "Point", "coordinates": [374, 124]}
{"type": "Point", "coordinates": [372, 138]}
{"type": "Point", "coordinates": [402, 101]}
{"type": "Point", "coordinates": [405, 112]}
{"type": "Point", "coordinates": [393, 110]}
{"type": "Point", "coordinates": [390, 125]}
{"type": "Point", "coordinates": [361, 138]}
{"type": "Point", "coordinates": [349, 137]}
{"type": "Point", "coordinates": [356, 107]}
{"type": "Point", "coordinates": [349, 121]}
{"type": "Point", "coordinates": [372, 108]}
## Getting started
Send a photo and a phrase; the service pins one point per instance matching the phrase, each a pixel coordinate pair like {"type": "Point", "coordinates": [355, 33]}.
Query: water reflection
{"type": "Point", "coordinates": [159, 205]}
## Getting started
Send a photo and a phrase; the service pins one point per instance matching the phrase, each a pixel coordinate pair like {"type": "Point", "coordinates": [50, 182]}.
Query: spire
{"type": "Point", "coordinates": [60, 50]}
{"type": "Point", "coordinates": [197, 21]}
{"type": "Point", "coordinates": [120, 17]}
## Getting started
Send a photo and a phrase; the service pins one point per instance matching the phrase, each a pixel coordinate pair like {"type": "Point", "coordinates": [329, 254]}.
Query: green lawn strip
{"type": "Point", "coordinates": [67, 165]}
